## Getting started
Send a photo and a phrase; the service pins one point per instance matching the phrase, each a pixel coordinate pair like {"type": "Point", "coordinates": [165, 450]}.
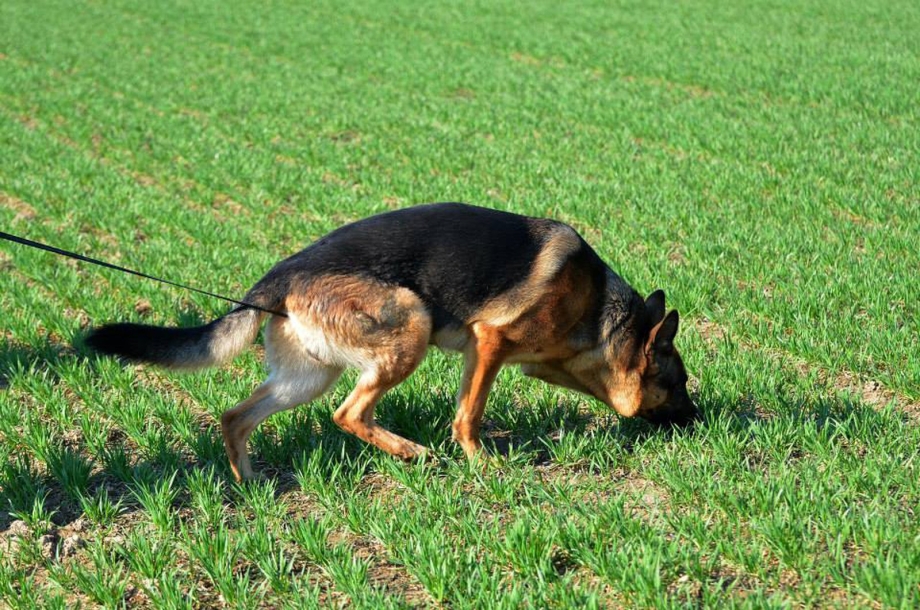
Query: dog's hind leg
{"type": "Point", "coordinates": [391, 348]}
{"type": "Point", "coordinates": [381, 330]}
{"type": "Point", "coordinates": [282, 391]}
{"type": "Point", "coordinates": [356, 415]}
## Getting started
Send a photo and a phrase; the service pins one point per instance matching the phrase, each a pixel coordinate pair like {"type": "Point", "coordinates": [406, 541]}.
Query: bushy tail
{"type": "Point", "coordinates": [183, 348]}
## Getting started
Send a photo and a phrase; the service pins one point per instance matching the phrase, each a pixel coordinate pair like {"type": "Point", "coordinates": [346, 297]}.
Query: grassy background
{"type": "Point", "coordinates": [757, 161]}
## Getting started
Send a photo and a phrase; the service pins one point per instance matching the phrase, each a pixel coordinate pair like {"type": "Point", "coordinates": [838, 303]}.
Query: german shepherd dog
{"type": "Point", "coordinates": [373, 295]}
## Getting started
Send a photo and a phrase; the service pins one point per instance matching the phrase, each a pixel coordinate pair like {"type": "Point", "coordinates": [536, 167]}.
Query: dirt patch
{"type": "Point", "coordinates": [709, 330]}
{"type": "Point", "coordinates": [874, 394]}
{"type": "Point", "coordinates": [609, 596]}
{"type": "Point", "coordinates": [645, 500]}
{"type": "Point", "coordinates": [693, 91]}
{"type": "Point", "coordinates": [463, 93]}
{"type": "Point", "coordinates": [144, 180]}
{"type": "Point", "coordinates": [392, 578]}
{"type": "Point", "coordinates": [853, 217]}
{"type": "Point", "coordinates": [523, 58]}
{"type": "Point", "coordinates": [23, 210]}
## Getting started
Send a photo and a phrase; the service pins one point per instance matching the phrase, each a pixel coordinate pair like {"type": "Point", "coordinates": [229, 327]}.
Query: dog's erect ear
{"type": "Point", "coordinates": [661, 339]}
{"type": "Point", "coordinates": [654, 308]}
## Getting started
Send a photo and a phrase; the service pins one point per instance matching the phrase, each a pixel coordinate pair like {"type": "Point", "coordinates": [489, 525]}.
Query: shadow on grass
{"type": "Point", "coordinates": [42, 357]}
{"type": "Point", "coordinates": [49, 478]}
{"type": "Point", "coordinates": [59, 481]}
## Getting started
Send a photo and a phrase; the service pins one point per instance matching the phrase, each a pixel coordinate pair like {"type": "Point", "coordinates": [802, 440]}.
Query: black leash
{"type": "Point", "coordinates": [80, 257]}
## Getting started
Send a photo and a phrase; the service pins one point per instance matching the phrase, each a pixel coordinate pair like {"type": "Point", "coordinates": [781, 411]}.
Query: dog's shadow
{"type": "Point", "coordinates": [535, 433]}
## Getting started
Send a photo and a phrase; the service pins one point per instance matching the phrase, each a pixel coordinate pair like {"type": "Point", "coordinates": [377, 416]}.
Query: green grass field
{"type": "Point", "coordinates": [759, 161]}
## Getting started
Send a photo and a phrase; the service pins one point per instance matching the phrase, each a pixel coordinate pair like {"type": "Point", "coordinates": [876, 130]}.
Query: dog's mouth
{"type": "Point", "coordinates": [678, 416]}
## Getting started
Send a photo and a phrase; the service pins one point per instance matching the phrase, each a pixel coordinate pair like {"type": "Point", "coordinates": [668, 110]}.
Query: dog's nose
{"type": "Point", "coordinates": [680, 416]}
{"type": "Point", "coordinates": [683, 420]}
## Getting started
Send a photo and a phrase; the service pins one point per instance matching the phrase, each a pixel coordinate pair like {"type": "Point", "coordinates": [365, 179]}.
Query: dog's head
{"type": "Point", "coordinates": [636, 369]}
{"type": "Point", "coordinates": [649, 378]}
{"type": "Point", "coordinates": [663, 376]}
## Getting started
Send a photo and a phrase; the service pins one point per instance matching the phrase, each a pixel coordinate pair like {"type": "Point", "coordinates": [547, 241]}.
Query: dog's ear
{"type": "Point", "coordinates": [654, 308]}
{"type": "Point", "coordinates": [661, 339]}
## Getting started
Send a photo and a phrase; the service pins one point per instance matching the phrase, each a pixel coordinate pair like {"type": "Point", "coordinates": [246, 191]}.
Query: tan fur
{"type": "Point", "coordinates": [530, 292]}
{"type": "Point", "coordinates": [562, 241]}
{"type": "Point", "coordinates": [227, 344]}
{"type": "Point", "coordinates": [482, 361]}
{"type": "Point", "coordinates": [335, 322]}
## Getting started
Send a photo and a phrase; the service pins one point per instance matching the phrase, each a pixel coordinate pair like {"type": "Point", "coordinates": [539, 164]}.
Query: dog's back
{"type": "Point", "coordinates": [456, 257]}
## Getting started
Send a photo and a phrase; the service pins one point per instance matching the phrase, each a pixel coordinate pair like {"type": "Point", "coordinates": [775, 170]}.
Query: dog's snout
{"type": "Point", "coordinates": [678, 413]}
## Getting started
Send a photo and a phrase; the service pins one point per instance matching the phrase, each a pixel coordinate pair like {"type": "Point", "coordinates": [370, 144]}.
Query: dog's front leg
{"type": "Point", "coordinates": [482, 360]}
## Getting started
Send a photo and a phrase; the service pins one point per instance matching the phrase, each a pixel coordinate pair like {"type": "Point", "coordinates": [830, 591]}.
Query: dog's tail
{"type": "Point", "coordinates": [183, 348]}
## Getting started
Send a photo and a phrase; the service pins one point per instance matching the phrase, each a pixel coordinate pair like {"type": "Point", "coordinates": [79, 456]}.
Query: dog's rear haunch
{"type": "Point", "coordinates": [373, 295]}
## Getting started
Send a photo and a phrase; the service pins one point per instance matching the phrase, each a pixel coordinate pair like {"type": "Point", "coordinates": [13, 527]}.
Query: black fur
{"type": "Point", "coordinates": [189, 348]}
{"type": "Point", "coordinates": [144, 343]}
{"type": "Point", "coordinates": [455, 256]}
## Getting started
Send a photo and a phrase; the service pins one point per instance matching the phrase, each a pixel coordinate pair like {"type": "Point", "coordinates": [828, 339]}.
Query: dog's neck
{"type": "Point", "coordinates": [621, 307]}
